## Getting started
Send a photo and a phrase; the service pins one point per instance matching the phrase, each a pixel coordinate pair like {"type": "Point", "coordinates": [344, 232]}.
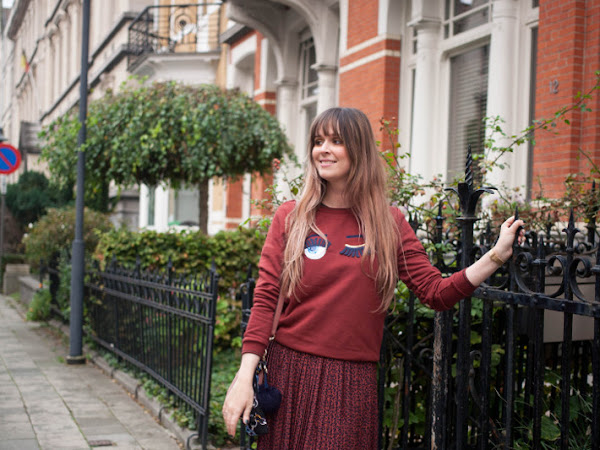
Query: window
{"type": "Point", "coordinates": [463, 15]}
{"type": "Point", "coordinates": [187, 209]}
{"type": "Point", "coordinates": [151, 200]}
{"type": "Point", "coordinates": [468, 102]}
{"type": "Point", "coordinates": [309, 77]}
{"type": "Point", "coordinates": [309, 87]}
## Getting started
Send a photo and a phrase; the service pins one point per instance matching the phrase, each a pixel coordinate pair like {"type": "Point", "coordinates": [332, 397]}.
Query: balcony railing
{"type": "Point", "coordinates": [169, 29]}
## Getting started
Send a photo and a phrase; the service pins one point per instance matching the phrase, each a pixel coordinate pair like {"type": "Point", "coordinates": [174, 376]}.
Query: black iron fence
{"type": "Point", "coordinates": [160, 323]}
{"type": "Point", "coordinates": [169, 29]}
{"type": "Point", "coordinates": [507, 368]}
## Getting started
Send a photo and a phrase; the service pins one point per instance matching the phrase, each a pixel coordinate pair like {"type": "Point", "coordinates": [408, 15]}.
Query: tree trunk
{"type": "Point", "coordinates": [203, 206]}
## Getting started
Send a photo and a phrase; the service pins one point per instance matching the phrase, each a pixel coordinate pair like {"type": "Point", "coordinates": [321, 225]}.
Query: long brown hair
{"type": "Point", "coordinates": [366, 192]}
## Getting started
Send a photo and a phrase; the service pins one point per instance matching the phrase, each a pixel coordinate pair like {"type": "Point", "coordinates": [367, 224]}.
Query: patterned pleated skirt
{"type": "Point", "coordinates": [327, 403]}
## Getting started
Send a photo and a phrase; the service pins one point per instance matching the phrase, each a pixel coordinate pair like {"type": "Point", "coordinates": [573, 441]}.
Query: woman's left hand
{"type": "Point", "coordinates": [508, 231]}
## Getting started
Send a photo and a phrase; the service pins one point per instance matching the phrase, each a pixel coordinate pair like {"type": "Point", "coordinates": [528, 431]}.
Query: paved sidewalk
{"type": "Point", "coordinates": [49, 405]}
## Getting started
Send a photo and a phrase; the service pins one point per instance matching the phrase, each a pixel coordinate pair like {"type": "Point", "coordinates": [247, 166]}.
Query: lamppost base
{"type": "Point", "coordinates": [72, 360]}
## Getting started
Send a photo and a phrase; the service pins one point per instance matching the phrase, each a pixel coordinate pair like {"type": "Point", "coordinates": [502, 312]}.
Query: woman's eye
{"type": "Point", "coordinates": [318, 142]}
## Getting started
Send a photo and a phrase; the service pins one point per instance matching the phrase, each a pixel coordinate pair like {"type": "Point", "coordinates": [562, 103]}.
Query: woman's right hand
{"type": "Point", "coordinates": [240, 395]}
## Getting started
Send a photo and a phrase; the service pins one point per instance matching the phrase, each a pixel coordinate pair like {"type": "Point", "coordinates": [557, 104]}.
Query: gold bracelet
{"type": "Point", "coordinates": [494, 257]}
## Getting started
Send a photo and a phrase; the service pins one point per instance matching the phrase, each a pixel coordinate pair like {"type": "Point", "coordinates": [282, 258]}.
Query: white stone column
{"type": "Point", "coordinates": [287, 114]}
{"type": "Point", "coordinates": [161, 208]}
{"type": "Point", "coordinates": [425, 102]}
{"type": "Point", "coordinates": [144, 205]}
{"type": "Point", "coordinates": [327, 87]}
{"type": "Point", "coordinates": [502, 88]}
{"type": "Point", "coordinates": [287, 107]}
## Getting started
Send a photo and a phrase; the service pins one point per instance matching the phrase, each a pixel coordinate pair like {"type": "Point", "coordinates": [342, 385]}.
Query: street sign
{"type": "Point", "coordinates": [10, 158]}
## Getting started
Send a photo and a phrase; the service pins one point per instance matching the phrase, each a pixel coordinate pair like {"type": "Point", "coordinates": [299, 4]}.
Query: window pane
{"type": "Point", "coordinates": [468, 102]}
{"type": "Point", "coordinates": [471, 21]}
{"type": "Point", "coordinates": [308, 58]}
{"type": "Point", "coordinates": [312, 59]}
{"type": "Point", "coordinates": [186, 207]}
{"type": "Point", "coordinates": [151, 200]}
{"type": "Point", "coordinates": [461, 6]}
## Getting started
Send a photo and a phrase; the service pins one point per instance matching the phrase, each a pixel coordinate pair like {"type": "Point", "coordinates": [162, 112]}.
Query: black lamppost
{"type": "Point", "coordinates": [78, 248]}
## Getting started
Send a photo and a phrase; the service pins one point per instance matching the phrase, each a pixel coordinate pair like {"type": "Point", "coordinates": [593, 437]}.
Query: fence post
{"type": "Point", "coordinates": [565, 382]}
{"type": "Point", "coordinates": [247, 294]}
{"type": "Point", "coordinates": [468, 198]}
{"type": "Point", "coordinates": [214, 282]}
{"type": "Point", "coordinates": [170, 322]}
{"type": "Point", "coordinates": [540, 264]}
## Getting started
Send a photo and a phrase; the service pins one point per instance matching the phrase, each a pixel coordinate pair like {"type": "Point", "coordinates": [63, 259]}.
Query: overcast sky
{"type": "Point", "coordinates": [7, 3]}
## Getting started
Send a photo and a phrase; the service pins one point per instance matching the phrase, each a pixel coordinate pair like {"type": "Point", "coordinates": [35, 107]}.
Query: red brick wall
{"type": "Point", "coordinates": [568, 53]}
{"type": "Point", "coordinates": [234, 201]}
{"type": "Point", "coordinates": [362, 21]}
{"type": "Point", "coordinates": [373, 87]}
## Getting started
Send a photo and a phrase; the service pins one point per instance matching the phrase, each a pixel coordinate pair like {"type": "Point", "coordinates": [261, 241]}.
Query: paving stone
{"type": "Point", "coordinates": [19, 444]}
{"type": "Point", "coordinates": [17, 430]}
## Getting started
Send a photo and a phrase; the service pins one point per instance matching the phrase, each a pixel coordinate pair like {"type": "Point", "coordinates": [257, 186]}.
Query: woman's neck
{"type": "Point", "coordinates": [335, 198]}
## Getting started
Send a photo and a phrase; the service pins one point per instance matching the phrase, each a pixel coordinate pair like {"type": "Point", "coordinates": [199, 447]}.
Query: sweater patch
{"type": "Point", "coordinates": [353, 251]}
{"type": "Point", "coordinates": [315, 247]}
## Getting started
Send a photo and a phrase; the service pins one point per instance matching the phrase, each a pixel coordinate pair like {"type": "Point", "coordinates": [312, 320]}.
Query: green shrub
{"type": "Point", "coordinates": [31, 195]}
{"type": "Point", "coordinates": [54, 233]}
{"type": "Point", "coordinates": [39, 308]}
{"type": "Point", "coordinates": [192, 253]}
{"type": "Point", "coordinates": [63, 293]}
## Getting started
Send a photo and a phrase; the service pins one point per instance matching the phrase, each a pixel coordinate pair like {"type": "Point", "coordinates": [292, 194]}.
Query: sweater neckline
{"type": "Point", "coordinates": [327, 209]}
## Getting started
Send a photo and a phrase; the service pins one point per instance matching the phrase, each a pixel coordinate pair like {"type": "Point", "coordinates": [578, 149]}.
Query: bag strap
{"type": "Point", "coordinates": [277, 315]}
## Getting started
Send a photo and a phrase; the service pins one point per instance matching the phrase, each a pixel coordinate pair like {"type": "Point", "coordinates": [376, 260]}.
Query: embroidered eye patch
{"type": "Point", "coordinates": [353, 251]}
{"type": "Point", "coordinates": [315, 247]}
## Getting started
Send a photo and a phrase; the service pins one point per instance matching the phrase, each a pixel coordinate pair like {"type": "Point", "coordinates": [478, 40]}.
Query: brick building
{"type": "Point", "coordinates": [437, 66]}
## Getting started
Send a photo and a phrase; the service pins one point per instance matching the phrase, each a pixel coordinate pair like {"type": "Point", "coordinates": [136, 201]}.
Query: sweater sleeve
{"type": "Point", "coordinates": [266, 292]}
{"type": "Point", "coordinates": [425, 280]}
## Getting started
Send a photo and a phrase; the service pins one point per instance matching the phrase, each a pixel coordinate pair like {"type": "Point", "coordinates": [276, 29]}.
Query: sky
{"type": "Point", "coordinates": [7, 3]}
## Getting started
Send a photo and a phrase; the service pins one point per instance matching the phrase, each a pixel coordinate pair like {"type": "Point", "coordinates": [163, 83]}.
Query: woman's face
{"type": "Point", "coordinates": [330, 157]}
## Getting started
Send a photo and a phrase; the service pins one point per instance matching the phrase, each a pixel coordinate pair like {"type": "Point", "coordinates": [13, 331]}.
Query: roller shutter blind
{"type": "Point", "coordinates": [468, 103]}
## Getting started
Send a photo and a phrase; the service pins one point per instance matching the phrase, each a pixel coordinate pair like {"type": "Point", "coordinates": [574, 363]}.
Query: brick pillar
{"type": "Point", "coordinates": [370, 67]}
{"type": "Point", "coordinates": [234, 203]}
{"type": "Point", "coordinates": [568, 54]}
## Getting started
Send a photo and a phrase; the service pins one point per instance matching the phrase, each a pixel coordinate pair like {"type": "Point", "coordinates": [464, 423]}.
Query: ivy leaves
{"type": "Point", "coordinates": [166, 133]}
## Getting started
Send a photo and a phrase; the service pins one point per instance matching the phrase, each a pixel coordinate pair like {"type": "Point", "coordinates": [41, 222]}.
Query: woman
{"type": "Point", "coordinates": [335, 256]}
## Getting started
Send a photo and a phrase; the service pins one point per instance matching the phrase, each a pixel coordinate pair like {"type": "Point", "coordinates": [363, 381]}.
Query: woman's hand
{"type": "Point", "coordinates": [240, 395]}
{"type": "Point", "coordinates": [485, 266]}
{"type": "Point", "coordinates": [508, 231]}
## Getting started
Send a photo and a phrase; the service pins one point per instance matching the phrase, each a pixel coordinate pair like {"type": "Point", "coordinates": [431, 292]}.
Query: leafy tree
{"type": "Point", "coordinates": [166, 133]}
{"type": "Point", "coordinates": [30, 197]}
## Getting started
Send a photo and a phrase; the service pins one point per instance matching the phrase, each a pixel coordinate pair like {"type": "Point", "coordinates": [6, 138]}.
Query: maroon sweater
{"type": "Point", "coordinates": [336, 316]}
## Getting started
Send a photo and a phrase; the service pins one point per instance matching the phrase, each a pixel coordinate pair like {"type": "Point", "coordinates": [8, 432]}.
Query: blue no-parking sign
{"type": "Point", "coordinates": [10, 159]}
